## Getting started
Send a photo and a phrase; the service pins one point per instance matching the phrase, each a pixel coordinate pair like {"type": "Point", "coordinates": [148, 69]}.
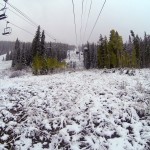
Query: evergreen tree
{"type": "Point", "coordinates": [36, 44]}
{"type": "Point", "coordinates": [113, 49]}
{"type": "Point", "coordinates": [103, 55]}
{"type": "Point", "coordinates": [28, 54]}
{"type": "Point", "coordinates": [128, 53]}
{"type": "Point", "coordinates": [42, 50]}
{"type": "Point", "coordinates": [146, 52]}
{"type": "Point", "coordinates": [101, 52]}
{"type": "Point", "coordinates": [7, 56]}
{"type": "Point", "coordinates": [16, 54]}
{"type": "Point", "coordinates": [119, 46]}
{"type": "Point", "coordinates": [134, 60]}
{"type": "Point", "coordinates": [113, 53]}
{"type": "Point", "coordinates": [93, 56]}
{"type": "Point", "coordinates": [136, 43]}
{"type": "Point", "coordinates": [23, 55]}
{"type": "Point", "coordinates": [107, 55]}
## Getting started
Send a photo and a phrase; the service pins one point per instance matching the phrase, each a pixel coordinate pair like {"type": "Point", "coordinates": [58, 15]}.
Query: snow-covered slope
{"type": "Point", "coordinates": [4, 64]}
{"type": "Point", "coordinates": [73, 56]}
{"type": "Point", "coordinates": [81, 110]}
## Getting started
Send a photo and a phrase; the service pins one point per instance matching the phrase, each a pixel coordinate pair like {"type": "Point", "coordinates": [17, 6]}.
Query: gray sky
{"type": "Point", "coordinates": [56, 17]}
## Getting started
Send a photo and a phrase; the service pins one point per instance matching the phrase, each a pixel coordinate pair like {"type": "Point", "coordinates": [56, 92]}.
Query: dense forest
{"type": "Point", "coordinates": [107, 53]}
{"type": "Point", "coordinates": [41, 56]}
{"type": "Point", "coordinates": [113, 53]}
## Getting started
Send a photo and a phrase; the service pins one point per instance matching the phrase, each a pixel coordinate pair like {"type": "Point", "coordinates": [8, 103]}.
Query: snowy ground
{"type": "Point", "coordinates": [95, 110]}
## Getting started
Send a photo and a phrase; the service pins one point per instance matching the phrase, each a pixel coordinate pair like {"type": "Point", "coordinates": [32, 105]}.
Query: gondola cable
{"type": "Point", "coordinates": [97, 19]}
{"type": "Point", "coordinates": [29, 19]}
{"type": "Point", "coordinates": [81, 21]}
{"type": "Point", "coordinates": [87, 21]}
{"type": "Point", "coordinates": [74, 20]}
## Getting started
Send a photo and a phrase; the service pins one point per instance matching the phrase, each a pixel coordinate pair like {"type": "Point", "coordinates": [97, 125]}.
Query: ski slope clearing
{"type": "Point", "coordinates": [4, 64]}
{"type": "Point", "coordinates": [75, 59]}
{"type": "Point", "coordinates": [95, 109]}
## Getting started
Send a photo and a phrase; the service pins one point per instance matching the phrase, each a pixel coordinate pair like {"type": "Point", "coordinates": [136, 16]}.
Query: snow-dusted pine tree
{"type": "Point", "coordinates": [16, 54]}
{"type": "Point", "coordinates": [42, 49]}
{"type": "Point", "coordinates": [36, 44]}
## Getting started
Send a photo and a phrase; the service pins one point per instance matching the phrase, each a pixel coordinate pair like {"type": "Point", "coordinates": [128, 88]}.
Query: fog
{"type": "Point", "coordinates": [56, 17]}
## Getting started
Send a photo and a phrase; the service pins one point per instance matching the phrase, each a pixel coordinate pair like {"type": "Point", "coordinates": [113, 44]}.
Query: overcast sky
{"type": "Point", "coordinates": [56, 17]}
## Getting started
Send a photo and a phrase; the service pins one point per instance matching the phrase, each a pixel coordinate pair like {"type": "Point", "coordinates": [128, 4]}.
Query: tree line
{"type": "Point", "coordinates": [113, 53]}
{"type": "Point", "coordinates": [41, 56]}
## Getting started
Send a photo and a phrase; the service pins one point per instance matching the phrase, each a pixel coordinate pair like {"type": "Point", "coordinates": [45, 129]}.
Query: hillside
{"type": "Point", "coordinates": [94, 109]}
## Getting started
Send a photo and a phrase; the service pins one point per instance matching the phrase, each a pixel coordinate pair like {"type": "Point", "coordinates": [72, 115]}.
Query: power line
{"type": "Point", "coordinates": [30, 20]}
{"type": "Point", "coordinates": [31, 24]}
{"type": "Point", "coordinates": [23, 14]}
{"type": "Point", "coordinates": [74, 21]}
{"type": "Point", "coordinates": [97, 19]}
{"type": "Point", "coordinates": [49, 35]}
{"type": "Point", "coordinates": [85, 6]}
{"type": "Point", "coordinates": [87, 20]}
{"type": "Point", "coordinates": [19, 16]}
{"type": "Point", "coordinates": [81, 20]}
{"type": "Point", "coordinates": [52, 37]}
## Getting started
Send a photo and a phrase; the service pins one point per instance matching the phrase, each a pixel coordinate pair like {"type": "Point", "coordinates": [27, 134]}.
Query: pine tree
{"type": "Point", "coordinates": [36, 44]}
{"type": "Point", "coordinates": [144, 48]}
{"type": "Point", "coordinates": [101, 52]}
{"type": "Point", "coordinates": [16, 54]}
{"type": "Point", "coordinates": [28, 54]}
{"type": "Point", "coordinates": [128, 51]}
{"type": "Point", "coordinates": [38, 53]}
{"type": "Point", "coordinates": [146, 53]}
{"type": "Point", "coordinates": [93, 57]}
{"type": "Point", "coordinates": [95, 49]}
{"type": "Point", "coordinates": [112, 49]}
{"type": "Point", "coordinates": [119, 50]}
{"type": "Point", "coordinates": [103, 55]}
{"type": "Point", "coordinates": [115, 47]}
{"type": "Point", "coordinates": [107, 55]}
{"type": "Point", "coordinates": [23, 55]}
{"type": "Point", "coordinates": [42, 50]}
{"type": "Point", "coordinates": [134, 60]}
{"type": "Point", "coordinates": [136, 43]}
{"type": "Point", "coordinates": [7, 56]}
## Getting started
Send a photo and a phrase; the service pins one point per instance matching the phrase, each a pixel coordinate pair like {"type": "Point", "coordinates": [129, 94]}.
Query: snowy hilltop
{"type": "Point", "coordinates": [94, 109]}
